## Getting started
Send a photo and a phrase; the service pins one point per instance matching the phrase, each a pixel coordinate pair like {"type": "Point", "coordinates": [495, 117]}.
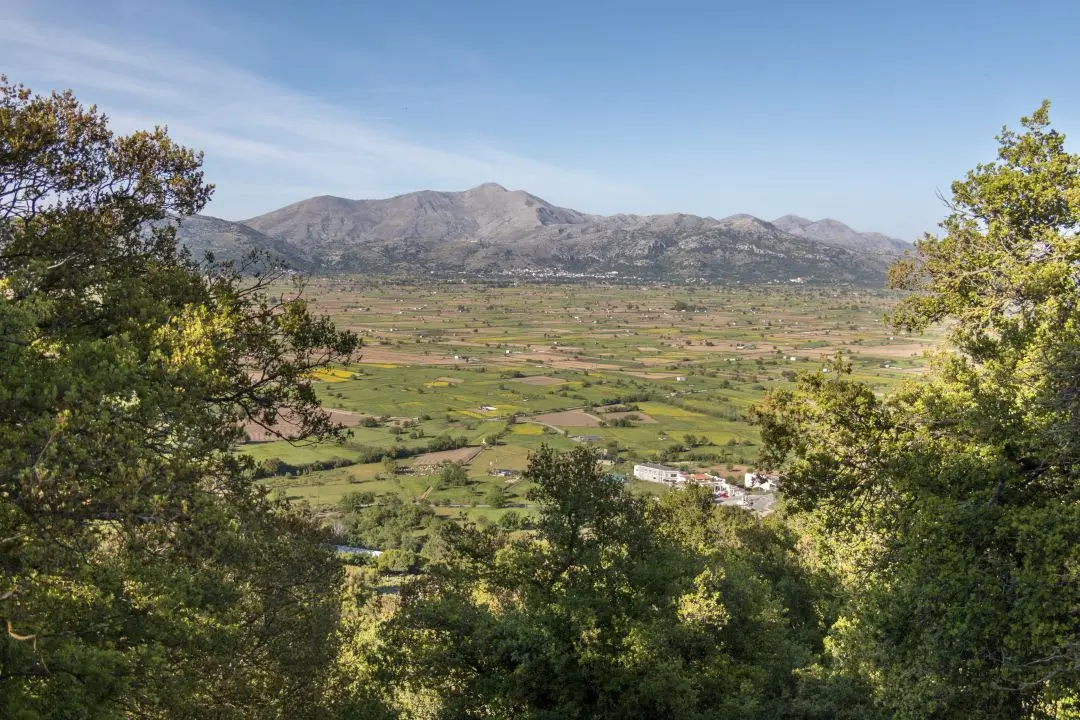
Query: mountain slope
{"type": "Point", "coordinates": [488, 212]}
{"type": "Point", "coordinates": [233, 241]}
{"type": "Point", "coordinates": [489, 229]}
{"type": "Point", "coordinates": [837, 234]}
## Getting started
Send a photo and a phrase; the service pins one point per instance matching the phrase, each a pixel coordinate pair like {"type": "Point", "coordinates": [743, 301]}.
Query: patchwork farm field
{"type": "Point", "coordinates": [481, 374]}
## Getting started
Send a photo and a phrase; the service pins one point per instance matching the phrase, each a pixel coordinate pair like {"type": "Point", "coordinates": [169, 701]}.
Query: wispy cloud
{"type": "Point", "coordinates": [263, 140]}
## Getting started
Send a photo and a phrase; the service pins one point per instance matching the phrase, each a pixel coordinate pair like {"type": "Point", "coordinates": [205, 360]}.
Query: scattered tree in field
{"type": "Point", "coordinates": [497, 497]}
{"type": "Point", "coordinates": [356, 501]}
{"type": "Point", "coordinates": [453, 474]}
{"type": "Point", "coordinates": [683, 306]}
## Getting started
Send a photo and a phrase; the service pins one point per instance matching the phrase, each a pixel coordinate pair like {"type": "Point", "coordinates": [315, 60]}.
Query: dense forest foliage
{"type": "Point", "coordinates": [923, 562]}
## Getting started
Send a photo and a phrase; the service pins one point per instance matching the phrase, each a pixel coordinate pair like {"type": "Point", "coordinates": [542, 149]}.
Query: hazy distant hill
{"type": "Point", "coordinates": [491, 229]}
{"type": "Point", "coordinates": [835, 233]}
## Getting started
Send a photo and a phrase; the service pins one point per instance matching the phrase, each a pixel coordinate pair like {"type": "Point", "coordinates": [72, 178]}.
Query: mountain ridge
{"type": "Point", "coordinates": [838, 234]}
{"type": "Point", "coordinates": [490, 229]}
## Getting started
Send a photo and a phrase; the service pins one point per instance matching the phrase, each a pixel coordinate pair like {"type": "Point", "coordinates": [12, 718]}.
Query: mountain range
{"type": "Point", "coordinates": [489, 230]}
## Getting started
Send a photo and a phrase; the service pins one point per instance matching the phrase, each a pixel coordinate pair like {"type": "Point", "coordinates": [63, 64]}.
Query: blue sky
{"type": "Point", "coordinates": [858, 110]}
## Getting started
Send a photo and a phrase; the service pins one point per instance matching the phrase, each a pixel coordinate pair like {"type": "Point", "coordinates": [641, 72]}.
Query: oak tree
{"type": "Point", "coordinates": [142, 571]}
{"type": "Point", "coordinates": [954, 502]}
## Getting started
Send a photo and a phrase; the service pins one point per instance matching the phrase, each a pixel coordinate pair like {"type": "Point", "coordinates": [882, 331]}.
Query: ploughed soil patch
{"type": "Point", "coordinates": [283, 429]}
{"type": "Point", "coordinates": [541, 380]}
{"type": "Point", "coordinates": [462, 455]}
{"type": "Point", "coordinates": [569, 418]}
{"type": "Point", "coordinates": [652, 375]}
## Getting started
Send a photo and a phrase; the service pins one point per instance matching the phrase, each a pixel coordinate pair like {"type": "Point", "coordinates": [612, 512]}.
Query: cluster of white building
{"type": "Point", "coordinates": [652, 472]}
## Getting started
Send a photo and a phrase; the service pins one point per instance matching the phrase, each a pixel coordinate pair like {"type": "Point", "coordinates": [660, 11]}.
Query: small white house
{"type": "Point", "coordinates": [651, 472]}
{"type": "Point", "coordinates": [768, 483]}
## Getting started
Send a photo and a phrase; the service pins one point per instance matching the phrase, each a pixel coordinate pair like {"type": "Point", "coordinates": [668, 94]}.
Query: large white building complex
{"type": "Point", "coordinates": [659, 473]}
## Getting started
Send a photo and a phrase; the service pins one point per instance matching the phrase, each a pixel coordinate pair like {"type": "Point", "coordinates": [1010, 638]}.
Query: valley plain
{"type": "Point", "coordinates": [483, 374]}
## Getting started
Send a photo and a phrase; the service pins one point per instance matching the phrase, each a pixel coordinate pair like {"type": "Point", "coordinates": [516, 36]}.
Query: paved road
{"type": "Point", "coordinates": [761, 504]}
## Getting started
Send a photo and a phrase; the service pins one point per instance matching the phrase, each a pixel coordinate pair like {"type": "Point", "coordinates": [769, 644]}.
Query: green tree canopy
{"type": "Point", "coordinates": [143, 573]}
{"type": "Point", "coordinates": [453, 474]}
{"type": "Point", "coordinates": [953, 503]}
{"type": "Point", "coordinates": [617, 607]}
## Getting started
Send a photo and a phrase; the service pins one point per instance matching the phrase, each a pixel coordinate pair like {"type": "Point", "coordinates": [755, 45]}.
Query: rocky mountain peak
{"type": "Point", "coordinates": [789, 222]}
{"type": "Point", "coordinates": [487, 188]}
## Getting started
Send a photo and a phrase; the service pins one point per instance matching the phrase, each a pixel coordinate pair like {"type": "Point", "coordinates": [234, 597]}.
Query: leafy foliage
{"type": "Point", "coordinates": [956, 499]}
{"type": "Point", "coordinates": [924, 562]}
{"type": "Point", "coordinates": [615, 608]}
{"type": "Point", "coordinates": [144, 574]}
{"type": "Point", "coordinates": [453, 474]}
{"type": "Point", "coordinates": [390, 524]}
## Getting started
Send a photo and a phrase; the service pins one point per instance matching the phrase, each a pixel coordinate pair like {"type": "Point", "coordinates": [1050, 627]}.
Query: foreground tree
{"type": "Point", "coordinates": [617, 607]}
{"type": "Point", "coordinates": [143, 573]}
{"type": "Point", "coordinates": [956, 500]}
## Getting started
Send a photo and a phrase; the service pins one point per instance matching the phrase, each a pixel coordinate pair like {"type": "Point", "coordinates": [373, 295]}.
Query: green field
{"type": "Point", "coordinates": [462, 360]}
